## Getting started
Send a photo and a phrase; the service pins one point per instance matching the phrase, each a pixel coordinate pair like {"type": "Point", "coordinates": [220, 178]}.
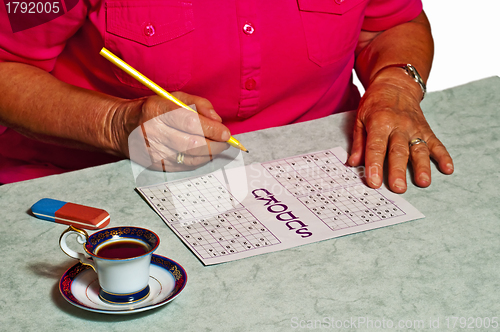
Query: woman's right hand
{"type": "Point", "coordinates": [42, 107]}
{"type": "Point", "coordinates": [152, 131]}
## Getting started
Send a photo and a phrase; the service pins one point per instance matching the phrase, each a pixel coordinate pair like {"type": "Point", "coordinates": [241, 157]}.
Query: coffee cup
{"type": "Point", "coordinates": [121, 257]}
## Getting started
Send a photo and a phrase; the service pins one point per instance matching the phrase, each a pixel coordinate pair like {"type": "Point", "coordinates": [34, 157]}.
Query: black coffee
{"type": "Point", "coordinates": [122, 249]}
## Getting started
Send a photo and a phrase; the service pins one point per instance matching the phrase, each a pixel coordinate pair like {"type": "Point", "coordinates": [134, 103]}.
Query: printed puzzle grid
{"type": "Point", "coordinates": [335, 193]}
{"type": "Point", "coordinates": [204, 214]}
{"type": "Point", "coordinates": [330, 197]}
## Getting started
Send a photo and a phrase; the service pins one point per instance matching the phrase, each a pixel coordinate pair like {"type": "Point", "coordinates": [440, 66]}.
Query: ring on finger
{"type": "Point", "coordinates": [416, 141]}
{"type": "Point", "coordinates": [180, 158]}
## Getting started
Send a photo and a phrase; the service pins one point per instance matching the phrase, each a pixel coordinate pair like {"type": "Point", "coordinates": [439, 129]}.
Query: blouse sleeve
{"type": "Point", "coordinates": [383, 14]}
{"type": "Point", "coordinates": [39, 39]}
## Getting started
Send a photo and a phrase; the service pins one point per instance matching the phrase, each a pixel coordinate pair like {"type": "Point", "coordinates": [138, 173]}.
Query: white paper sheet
{"type": "Point", "coordinates": [242, 212]}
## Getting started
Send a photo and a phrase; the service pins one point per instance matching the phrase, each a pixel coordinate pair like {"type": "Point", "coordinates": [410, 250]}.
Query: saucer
{"type": "Point", "coordinates": [80, 287]}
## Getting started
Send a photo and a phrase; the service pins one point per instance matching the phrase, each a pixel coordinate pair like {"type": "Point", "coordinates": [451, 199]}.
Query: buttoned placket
{"type": "Point", "coordinates": [250, 50]}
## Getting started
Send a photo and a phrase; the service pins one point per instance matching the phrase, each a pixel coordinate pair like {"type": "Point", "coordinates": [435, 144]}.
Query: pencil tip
{"type": "Point", "coordinates": [247, 151]}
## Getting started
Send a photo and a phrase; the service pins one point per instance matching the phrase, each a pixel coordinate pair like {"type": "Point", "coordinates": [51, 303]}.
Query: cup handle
{"type": "Point", "coordinates": [81, 238]}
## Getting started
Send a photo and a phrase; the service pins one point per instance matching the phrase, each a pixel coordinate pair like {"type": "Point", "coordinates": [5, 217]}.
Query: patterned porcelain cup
{"type": "Point", "coordinates": [120, 256]}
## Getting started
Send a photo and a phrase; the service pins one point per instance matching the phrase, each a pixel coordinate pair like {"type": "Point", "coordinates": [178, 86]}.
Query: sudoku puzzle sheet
{"type": "Point", "coordinates": [273, 206]}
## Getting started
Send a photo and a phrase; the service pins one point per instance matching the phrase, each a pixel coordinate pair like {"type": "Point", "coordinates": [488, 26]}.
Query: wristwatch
{"type": "Point", "coordinates": [413, 73]}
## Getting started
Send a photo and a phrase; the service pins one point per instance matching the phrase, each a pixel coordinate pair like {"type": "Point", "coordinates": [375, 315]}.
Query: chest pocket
{"type": "Point", "coordinates": [331, 27]}
{"type": "Point", "coordinates": [153, 37]}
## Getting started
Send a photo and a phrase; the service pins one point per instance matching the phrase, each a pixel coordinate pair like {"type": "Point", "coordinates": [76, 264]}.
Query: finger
{"type": "Point", "coordinates": [165, 139]}
{"type": "Point", "coordinates": [376, 147]}
{"type": "Point", "coordinates": [151, 148]}
{"type": "Point", "coordinates": [209, 113]}
{"type": "Point", "coordinates": [195, 124]}
{"type": "Point", "coordinates": [176, 162]}
{"type": "Point", "coordinates": [358, 144]}
{"type": "Point", "coordinates": [188, 163]}
{"type": "Point", "coordinates": [203, 105]}
{"type": "Point", "coordinates": [194, 145]}
{"type": "Point", "coordinates": [420, 161]}
{"type": "Point", "coordinates": [398, 162]}
{"type": "Point", "coordinates": [439, 153]}
{"type": "Point", "coordinates": [168, 165]}
{"type": "Point", "coordinates": [210, 148]}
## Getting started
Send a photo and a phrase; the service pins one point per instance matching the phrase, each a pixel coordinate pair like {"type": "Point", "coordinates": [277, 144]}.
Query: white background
{"type": "Point", "coordinates": [466, 41]}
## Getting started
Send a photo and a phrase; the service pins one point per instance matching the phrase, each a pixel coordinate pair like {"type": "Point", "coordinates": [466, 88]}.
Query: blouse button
{"type": "Point", "coordinates": [149, 30]}
{"type": "Point", "coordinates": [250, 84]}
{"type": "Point", "coordinates": [339, 1]}
{"type": "Point", "coordinates": [248, 29]}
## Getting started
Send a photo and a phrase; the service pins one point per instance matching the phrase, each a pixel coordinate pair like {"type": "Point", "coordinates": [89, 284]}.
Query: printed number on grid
{"type": "Point", "coordinates": [208, 218]}
{"type": "Point", "coordinates": [335, 193]}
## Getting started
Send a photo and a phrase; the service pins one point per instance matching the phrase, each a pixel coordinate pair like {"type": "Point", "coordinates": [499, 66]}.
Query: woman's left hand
{"type": "Point", "coordinates": [389, 118]}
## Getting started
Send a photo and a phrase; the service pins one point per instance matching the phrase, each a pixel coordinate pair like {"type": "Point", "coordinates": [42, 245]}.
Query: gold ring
{"type": "Point", "coordinates": [180, 158]}
{"type": "Point", "coordinates": [416, 141]}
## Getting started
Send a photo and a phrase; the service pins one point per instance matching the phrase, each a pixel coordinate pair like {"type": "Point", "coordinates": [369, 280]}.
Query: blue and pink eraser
{"type": "Point", "coordinates": [77, 215]}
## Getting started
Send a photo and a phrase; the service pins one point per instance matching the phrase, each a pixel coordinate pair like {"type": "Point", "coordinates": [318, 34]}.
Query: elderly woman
{"type": "Point", "coordinates": [246, 65]}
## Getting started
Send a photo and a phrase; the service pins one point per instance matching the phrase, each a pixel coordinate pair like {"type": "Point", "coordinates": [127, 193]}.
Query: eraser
{"type": "Point", "coordinates": [70, 214]}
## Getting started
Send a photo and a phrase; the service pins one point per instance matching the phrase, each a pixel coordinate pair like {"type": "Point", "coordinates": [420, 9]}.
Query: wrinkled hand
{"type": "Point", "coordinates": [388, 118]}
{"type": "Point", "coordinates": [152, 131]}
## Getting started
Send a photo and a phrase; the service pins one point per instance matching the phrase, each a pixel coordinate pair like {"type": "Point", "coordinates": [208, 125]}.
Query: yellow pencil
{"type": "Point", "coordinates": [156, 88]}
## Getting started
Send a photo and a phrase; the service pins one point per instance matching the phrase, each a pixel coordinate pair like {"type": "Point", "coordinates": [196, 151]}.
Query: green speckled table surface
{"type": "Point", "coordinates": [421, 274]}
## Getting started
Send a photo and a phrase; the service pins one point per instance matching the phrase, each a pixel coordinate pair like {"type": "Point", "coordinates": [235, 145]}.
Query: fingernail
{"type": "Point", "coordinates": [376, 180]}
{"type": "Point", "coordinates": [450, 166]}
{"type": "Point", "coordinates": [225, 135]}
{"type": "Point", "coordinates": [425, 178]}
{"type": "Point", "coordinates": [400, 183]}
{"type": "Point", "coordinates": [349, 161]}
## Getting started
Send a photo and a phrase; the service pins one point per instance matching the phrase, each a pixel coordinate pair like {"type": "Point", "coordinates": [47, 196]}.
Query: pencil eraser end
{"type": "Point", "coordinates": [66, 213]}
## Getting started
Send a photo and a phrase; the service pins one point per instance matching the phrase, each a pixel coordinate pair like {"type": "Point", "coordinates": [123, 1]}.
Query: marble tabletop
{"type": "Point", "coordinates": [425, 274]}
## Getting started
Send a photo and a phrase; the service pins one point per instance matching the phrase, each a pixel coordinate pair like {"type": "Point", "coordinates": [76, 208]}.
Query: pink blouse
{"type": "Point", "coordinates": [261, 63]}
